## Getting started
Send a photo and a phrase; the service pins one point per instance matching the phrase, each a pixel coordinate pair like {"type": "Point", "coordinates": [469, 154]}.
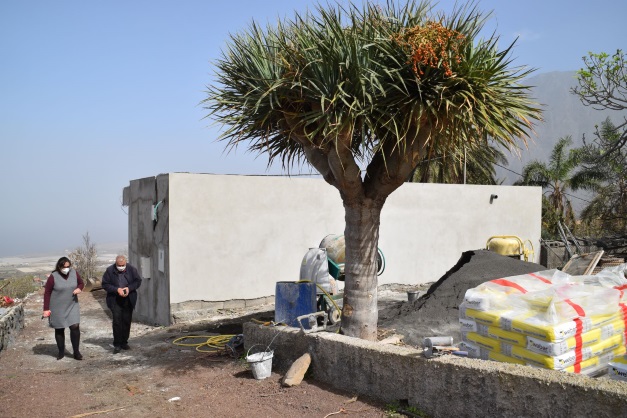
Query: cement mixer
{"type": "Point", "coordinates": [325, 267]}
{"type": "Point", "coordinates": [510, 246]}
{"type": "Point", "coordinates": [336, 253]}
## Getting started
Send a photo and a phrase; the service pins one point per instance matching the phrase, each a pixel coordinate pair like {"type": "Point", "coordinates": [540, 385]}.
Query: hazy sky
{"type": "Point", "coordinates": [94, 94]}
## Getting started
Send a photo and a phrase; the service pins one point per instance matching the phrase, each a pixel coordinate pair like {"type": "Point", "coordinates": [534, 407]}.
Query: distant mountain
{"type": "Point", "coordinates": [564, 114]}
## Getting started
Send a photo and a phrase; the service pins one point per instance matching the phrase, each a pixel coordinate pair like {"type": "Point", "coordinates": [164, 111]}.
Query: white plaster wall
{"type": "Point", "coordinates": [234, 237]}
{"type": "Point", "coordinates": [425, 227]}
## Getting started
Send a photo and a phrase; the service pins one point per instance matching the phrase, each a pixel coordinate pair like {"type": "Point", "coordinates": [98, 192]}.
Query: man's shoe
{"type": "Point", "coordinates": [60, 355]}
{"type": "Point", "coordinates": [125, 347]}
{"type": "Point", "coordinates": [78, 356]}
{"type": "Point", "coordinates": [116, 349]}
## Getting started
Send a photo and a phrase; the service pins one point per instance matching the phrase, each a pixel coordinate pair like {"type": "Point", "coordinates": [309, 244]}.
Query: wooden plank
{"type": "Point", "coordinates": [582, 264]}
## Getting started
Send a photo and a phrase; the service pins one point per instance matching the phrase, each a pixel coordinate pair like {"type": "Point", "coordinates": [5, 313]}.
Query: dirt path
{"type": "Point", "coordinates": [155, 378]}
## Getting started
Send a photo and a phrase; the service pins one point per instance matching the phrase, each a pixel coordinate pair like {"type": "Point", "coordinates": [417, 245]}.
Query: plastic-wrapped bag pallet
{"type": "Point", "coordinates": [547, 319]}
{"type": "Point", "coordinates": [535, 324]}
{"type": "Point", "coordinates": [493, 294]}
{"type": "Point", "coordinates": [591, 366]}
{"type": "Point", "coordinates": [549, 348]}
{"type": "Point", "coordinates": [558, 362]}
{"type": "Point", "coordinates": [549, 300]}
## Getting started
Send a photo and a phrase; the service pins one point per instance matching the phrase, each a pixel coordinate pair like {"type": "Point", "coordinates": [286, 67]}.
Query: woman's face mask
{"type": "Point", "coordinates": [65, 270]}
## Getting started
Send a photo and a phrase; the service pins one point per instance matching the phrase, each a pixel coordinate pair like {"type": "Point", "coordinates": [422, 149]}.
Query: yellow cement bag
{"type": "Point", "coordinates": [509, 337]}
{"type": "Point", "coordinates": [559, 362]}
{"type": "Point", "coordinates": [589, 366]}
{"type": "Point", "coordinates": [469, 325]}
{"type": "Point", "coordinates": [548, 348]}
{"type": "Point", "coordinates": [489, 318]}
{"type": "Point", "coordinates": [594, 336]}
{"type": "Point", "coordinates": [486, 343]}
{"type": "Point", "coordinates": [595, 364]}
{"type": "Point", "coordinates": [603, 362]}
{"type": "Point", "coordinates": [475, 351]}
{"type": "Point", "coordinates": [569, 358]}
{"type": "Point", "coordinates": [617, 371]}
{"type": "Point", "coordinates": [617, 368]}
{"type": "Point", "coordinates": [536, 326]}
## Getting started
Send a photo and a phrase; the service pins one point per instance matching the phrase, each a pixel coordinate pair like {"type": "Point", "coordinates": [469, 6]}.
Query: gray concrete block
{"type": "Point", "coordinates": [234, 304]}
{"type": "Point", "coordinates": [212, 306]}
{"type": "Point", "coordinates": [191, 305]}
{"type": "Point", "coordinates": [256, 302]}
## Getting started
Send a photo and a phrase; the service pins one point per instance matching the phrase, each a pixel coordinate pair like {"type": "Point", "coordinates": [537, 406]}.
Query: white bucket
{"type": "Point", "coordinates": [261, 364]}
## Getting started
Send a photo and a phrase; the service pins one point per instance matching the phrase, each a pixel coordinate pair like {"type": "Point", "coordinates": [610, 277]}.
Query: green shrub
{"type": "Point", "coordinates": [18, 287]}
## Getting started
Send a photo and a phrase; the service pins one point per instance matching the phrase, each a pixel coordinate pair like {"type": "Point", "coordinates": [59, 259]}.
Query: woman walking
{"type": "Point", "coordinates": [61, 305]}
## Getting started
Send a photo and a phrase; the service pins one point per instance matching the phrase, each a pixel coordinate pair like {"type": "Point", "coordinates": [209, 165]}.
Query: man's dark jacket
{"type": "Point", "coordinates": [111, 283]}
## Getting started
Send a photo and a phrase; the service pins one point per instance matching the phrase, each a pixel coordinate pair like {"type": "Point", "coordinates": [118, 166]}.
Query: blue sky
{"type": "Point", "coordinates": [94, 94]}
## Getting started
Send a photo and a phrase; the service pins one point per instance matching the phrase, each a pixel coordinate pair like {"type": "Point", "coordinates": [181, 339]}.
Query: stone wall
{"type": "Point", "coordinates": [11, 323]}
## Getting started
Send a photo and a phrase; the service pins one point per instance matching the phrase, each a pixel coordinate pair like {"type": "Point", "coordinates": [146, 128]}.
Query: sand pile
{"type": "Point", "coordinates": [437, 312]}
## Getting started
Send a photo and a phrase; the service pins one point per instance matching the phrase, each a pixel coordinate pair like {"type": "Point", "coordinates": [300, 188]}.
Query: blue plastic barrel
{"type": "Point", "coordinates": [293, 299]}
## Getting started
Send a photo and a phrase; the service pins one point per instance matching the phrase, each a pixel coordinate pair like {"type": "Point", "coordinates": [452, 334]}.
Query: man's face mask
{"type": "Point", "coordinates": [121, 268]}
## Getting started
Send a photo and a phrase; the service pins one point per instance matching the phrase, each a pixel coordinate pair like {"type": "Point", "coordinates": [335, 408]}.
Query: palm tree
{"type": "Point", "coordinates": [465, 166]}
{"type": "Point", "coordinates": [380, 87]}
{"type": "Point", "coordinates": [608, 208]}
{"type": "Point", "coordinates": [561, 175]}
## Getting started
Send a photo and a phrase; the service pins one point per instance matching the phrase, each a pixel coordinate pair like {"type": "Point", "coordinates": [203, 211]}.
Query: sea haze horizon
{"type": "Point", "coordinates": [101, 249]}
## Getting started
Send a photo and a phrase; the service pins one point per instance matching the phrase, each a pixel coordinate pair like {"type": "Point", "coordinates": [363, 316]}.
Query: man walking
{"type": "Point", "coordinates": [121, 281]}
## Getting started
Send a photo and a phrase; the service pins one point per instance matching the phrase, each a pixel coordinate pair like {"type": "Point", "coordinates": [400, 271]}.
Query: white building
{"type": "Point", "coordinates": [213, 241]}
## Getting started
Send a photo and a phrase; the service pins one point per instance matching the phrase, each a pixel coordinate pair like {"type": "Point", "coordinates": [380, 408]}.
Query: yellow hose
{"type": "Point", "coordinates": [215, 342]}
{"type": "Point", "coordinates": [325, 292]}
{"type": "Point", "coordinates": [218, 342]}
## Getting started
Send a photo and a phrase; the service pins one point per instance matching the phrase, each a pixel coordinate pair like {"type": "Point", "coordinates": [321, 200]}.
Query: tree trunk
{"type": "Point", "coordinates": [360, 313]}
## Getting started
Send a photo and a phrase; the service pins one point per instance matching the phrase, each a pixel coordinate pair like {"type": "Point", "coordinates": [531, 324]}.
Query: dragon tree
{"type": "Point", "coordinates": [363, 93]}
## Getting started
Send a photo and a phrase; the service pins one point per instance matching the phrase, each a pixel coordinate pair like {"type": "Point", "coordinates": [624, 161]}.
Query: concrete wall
{"type": "Point", "coordinates": [147, 241]}
{"type": "Point", "coordinates": [448, 386]}
{"type": "Point", "coordinates": [233, 237]}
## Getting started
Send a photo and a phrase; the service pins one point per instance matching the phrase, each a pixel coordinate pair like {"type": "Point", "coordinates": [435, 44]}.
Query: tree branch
{"type": "Point", "coordinates": [394, 163]}
{"type": "Point", "coordinates": [345, 169]}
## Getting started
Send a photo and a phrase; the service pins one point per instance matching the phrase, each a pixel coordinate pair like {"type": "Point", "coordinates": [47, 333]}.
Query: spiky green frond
{"type": "Point", "coordinates": [337, 78]}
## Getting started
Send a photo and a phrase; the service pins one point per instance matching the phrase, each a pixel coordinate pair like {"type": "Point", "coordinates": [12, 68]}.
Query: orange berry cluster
{"type": "Point", "coordinates": [431, 45]}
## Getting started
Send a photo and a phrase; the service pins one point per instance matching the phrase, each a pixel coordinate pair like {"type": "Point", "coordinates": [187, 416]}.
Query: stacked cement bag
{"type": "Point", "coordinates": [547, 319]}
{"type": "Point", "coordinates": [615, 277]}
